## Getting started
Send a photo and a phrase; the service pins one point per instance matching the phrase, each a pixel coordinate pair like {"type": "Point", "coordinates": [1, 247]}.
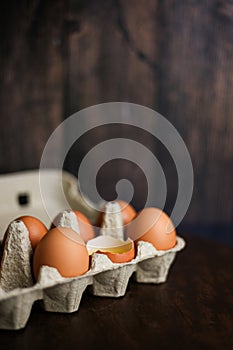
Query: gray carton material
{"type": "Point", "coordinates": [104, 278]}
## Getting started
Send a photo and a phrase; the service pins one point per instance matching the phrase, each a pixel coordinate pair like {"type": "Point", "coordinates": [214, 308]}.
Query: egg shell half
{"type": "Point", "coordinates": [117, 251]}
{"type": "Point", "coordinates": [119, 258]}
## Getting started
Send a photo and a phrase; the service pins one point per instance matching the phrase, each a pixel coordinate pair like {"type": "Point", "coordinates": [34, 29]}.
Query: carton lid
{"type": "Point", "coordinates": [21, 195]}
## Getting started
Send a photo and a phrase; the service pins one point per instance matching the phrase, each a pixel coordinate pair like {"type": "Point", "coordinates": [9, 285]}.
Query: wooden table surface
{"type": "Point", "coordinates": [193, 309]}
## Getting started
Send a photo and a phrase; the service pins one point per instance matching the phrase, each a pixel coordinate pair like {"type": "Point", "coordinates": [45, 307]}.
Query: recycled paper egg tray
{"type": "Point", "coordinates": [106, 279]}
{"type": "Point", "coordinates": [59, 294]}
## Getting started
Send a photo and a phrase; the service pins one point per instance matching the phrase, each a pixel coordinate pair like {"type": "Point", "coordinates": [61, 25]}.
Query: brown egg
{"type": "Point", "coordinates": [153, 225]}
{"type": "Point", "coordinates": [63, 249]}
{"type": "Point", "coordinates": [35, 227]}
{"type": "Point", "coordinates": [127, 210]}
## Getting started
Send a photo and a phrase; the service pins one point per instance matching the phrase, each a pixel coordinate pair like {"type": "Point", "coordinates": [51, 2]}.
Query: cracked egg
{"type": "Point", "coordinates": [117, 251]}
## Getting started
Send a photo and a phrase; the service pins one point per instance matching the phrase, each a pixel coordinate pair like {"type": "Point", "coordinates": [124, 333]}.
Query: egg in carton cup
{"type": "Point", "coordinates": [19, 290]}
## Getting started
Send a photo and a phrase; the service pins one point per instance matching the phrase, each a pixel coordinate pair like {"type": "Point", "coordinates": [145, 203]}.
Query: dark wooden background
{"type": "Point", "coordinates": [176, 57]}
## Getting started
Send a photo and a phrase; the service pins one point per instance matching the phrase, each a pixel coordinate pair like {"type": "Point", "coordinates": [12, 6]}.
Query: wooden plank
{"type": "Point", "coordinates": [32, 80]}
{"type": "Point", "coordinates": [176, 57]}
{"type": "Point", "coordinates": [107, 65]}
{"type": "Point", "coordinates": [196, 85]}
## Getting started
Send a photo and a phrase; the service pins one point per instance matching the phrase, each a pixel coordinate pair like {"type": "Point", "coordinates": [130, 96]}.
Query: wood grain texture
{"type": "Point", "coordinates": [176, 58]}
{"type": "Point", "coordinates": [32, 80]}
{"type": "Point", "coordinates": [193, 309]}
{"type": "Point", "coordinates": [105, 67]}
{"type": "Point", "coordinates": [196, 90]}
{"type": "Point", "coordinates": [173, 56]}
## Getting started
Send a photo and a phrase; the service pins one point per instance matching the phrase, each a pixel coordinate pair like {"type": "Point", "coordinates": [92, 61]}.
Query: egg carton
{"type": "Point", "coordinates": [18, 291]}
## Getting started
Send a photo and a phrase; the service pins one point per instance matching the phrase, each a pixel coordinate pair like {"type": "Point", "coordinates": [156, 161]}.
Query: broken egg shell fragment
{"type": "Point", "coordinates": [120, 257]}
{"type": "Point", "coordinates": [118, 251]}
